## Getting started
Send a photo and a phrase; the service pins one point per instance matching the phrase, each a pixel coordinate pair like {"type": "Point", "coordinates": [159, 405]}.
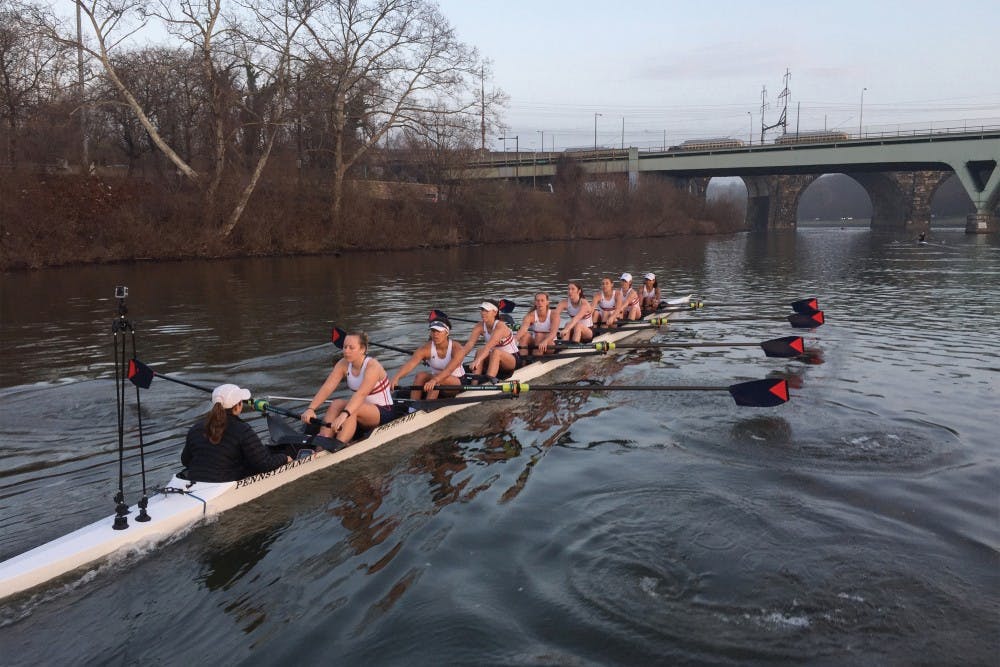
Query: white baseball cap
{"type": "Point", "coordinates": [229, 395]}
{"type": "Point", "coordinates": [486, 305]}
{"type": "Point", "coordinates": [650, 276]}
{"type": "Point", "coordinates": [439, 326]}
{"type": "Point", "coordinates": [626, 276]}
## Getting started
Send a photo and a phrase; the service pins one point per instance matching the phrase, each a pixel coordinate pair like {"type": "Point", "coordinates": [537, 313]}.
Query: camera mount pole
{"type": "Point", "coordinates": [123, 326]}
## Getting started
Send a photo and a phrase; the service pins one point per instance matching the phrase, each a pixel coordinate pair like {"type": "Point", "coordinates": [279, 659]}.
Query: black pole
{"type": "Point", "coordinates": [120, 326]}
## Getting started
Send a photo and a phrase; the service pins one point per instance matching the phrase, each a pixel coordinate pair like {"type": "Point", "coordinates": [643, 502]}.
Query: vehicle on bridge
{"type": "Point", "coordinates": [812, 137]}
{"type": "Point", "coordinates": [708, 144]}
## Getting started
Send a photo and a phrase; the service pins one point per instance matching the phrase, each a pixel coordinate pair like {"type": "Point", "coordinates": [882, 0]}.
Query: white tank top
{"type": "Point", "coordinates": [588, 321]}
{"type": "Point", "coordinates": [630, 297]}
{"type": "Point", "coordinates": [507, 344]}
{"type": "Point", "coordinates": [438, 364]}
{"type": "Point", "coordinates": [543, 326]}
{"type": "Point", "coordinates": [380, 393]}
{"type": "Point", "coordinates": [648, 295]}
{"type": "Point", "coordinates": [608, 304]}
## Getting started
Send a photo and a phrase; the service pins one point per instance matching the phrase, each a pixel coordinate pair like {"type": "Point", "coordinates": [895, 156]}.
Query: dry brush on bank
{"type": "Point", "coordinates": [51, 220]}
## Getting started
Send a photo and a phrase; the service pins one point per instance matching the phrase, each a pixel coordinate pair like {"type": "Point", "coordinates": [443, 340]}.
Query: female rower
{"type": "Point", "coordinates": [628, 300]}
{"type": "Point", "coordinates": [579, 329]}
{"type": "Point", "coordinates": [538, 328]}
{"type": "Point", "coordinates": [438, 352]}
{"type": "Point", "coordinates": [371, 403]}
{"type": "Point", "coordinates": [605, 303]}
{"type": "Point", "coordinates": [221, 447]}
{"type": "Point", "coordinates": [499, 352]}
{"type": "Point", "coordinates": [650, 294]}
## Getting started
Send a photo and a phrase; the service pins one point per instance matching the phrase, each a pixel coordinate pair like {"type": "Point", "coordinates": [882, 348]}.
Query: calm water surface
{"type": "Point", "coordinates": [857, 524]}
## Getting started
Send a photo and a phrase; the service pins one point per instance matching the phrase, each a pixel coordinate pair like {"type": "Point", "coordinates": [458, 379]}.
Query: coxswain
{"type": "Point", "coordinates": [221, 447]}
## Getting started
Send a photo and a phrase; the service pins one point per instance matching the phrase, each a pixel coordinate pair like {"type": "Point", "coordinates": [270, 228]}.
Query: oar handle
{"type": "Point", "coordinates": [261, 405]}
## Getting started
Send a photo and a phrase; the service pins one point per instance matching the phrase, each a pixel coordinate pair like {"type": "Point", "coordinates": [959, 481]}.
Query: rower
{"type": "Point", "coordinates": [499, 351]}
{"type": "Point", "coordinates": [438, 353]}
{"type": "Point", "coordinates": [371, 403]}
{"type": "Point", "coordinates": [628, 307]}
{"type": "Point", "coordinates": [605, 303]}
{"type": "Point", "coordinates": [221, 447]}
{"type": "Point", "coordinates": [650, 294]}
{"type": "Point", "coordinates": [580, 327]}
{"type": "Point", "coordinates": [538, 328]}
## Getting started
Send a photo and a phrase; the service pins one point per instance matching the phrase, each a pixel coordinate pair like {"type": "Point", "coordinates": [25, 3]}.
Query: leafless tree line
{"type": "Point", "coordinates": [208, 92]}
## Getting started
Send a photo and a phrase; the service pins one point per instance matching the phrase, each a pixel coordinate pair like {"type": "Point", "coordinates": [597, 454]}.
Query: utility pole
{"type": "Point", "coordinates": [596, 115]}
{"type": "Point", "coordinates": [482, 109]}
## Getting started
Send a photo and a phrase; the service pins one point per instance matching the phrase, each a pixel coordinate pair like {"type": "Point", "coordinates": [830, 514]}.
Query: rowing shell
{"type": "Point", "coordinates": [182, 502]}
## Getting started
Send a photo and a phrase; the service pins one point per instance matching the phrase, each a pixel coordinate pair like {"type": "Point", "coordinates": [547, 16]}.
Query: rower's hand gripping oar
{"type": "Point", "coordinates": [142, 376]}
{"type": "Point", "coordinates": [755, 393]}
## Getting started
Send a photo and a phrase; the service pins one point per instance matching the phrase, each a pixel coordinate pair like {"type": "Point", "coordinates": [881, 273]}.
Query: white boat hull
{"type": "Point", "coordinates": [182, 502]}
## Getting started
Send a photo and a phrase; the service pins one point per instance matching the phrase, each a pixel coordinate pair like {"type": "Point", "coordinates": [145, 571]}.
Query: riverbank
{"type": "Point", "coordinates": [49, 220]}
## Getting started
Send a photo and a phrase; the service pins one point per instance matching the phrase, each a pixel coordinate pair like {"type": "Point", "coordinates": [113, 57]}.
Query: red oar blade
{"type": "Point", "coordinates": [337, 336]}
{"type": "Point", "coordinates": [140, 374]}
{"type": "Point", "coordinates": [805, 306]}
{"type": "Point", "coordinates": [789, 346]}
{"type": "Point", "coordinates": [760, 393]}
{"type": "Point", "coordinates": [437, 315]}
{"type": "Point", "coordinates": [507, 306]}
{"type": "Point", "coordinates": [804, 321]}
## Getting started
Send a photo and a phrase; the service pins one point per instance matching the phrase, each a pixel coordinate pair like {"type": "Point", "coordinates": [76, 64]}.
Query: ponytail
{"type": "Point", "coordinates": [215, 423]}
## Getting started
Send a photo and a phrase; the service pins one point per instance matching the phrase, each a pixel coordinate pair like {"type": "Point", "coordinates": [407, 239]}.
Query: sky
{"type": "Point", "coordinates": [663, 71]}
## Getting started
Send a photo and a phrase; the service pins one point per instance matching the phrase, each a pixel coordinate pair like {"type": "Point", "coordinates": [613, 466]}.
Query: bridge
{"type": "Point", "coordinates": [900, 173]}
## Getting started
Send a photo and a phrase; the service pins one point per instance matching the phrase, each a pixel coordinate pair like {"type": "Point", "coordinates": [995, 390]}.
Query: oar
{"type": "Point", "coordinates": [436, 314]}
{"type": "Point", "coordinates": [433, 404]}
{"type": "Point", "coordinates": [788, 346]}
{"type": "Point", "coordinates": [337, 336]}
{"type": "Point", "coordinates": [755, 393]}
{"type": "Point", "coordinates": [804, 306]}
{"type": "Point", "coordinates": [142, 376]}
{"type": "Point", "coordinates": [797, 320]}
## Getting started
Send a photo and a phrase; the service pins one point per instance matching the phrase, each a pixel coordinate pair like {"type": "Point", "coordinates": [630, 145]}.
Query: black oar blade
{"type": "Point", "coordinates": [437, 315]}
{"type": "Point", "coordinates": [140, 374]}
{"type": "Point", "coordinates": [507, 306]}
{"type": "Point", "coordinates": [789, 346]}
{"type": "Point", "coordinates": [337, 336]}
{"type": "Point", "coordinates": [806, 306]}
{"type": "Point", "coordinates": [760, 393]}
{"type": "Point", "coordinates": [806, 321]}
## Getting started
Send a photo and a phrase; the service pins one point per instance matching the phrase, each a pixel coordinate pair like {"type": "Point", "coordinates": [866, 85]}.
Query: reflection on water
{"type": "Point", "coordinates": [563, 527]}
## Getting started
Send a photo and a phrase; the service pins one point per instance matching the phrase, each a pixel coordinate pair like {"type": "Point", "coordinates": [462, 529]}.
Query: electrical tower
{"type": "Point", "coordinates": [783, 101]}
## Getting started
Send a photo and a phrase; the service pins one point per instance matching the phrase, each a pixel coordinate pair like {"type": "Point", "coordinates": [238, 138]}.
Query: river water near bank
{"type": "Point", "coordinates": [857, 524]}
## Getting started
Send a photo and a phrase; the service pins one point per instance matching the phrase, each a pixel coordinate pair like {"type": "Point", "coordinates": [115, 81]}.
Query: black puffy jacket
{"type": "Point", "coordinates": [239, 453]}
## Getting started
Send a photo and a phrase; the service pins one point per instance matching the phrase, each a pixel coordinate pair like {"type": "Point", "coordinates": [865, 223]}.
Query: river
{"type": "Point", "coordinates": [857, 524]}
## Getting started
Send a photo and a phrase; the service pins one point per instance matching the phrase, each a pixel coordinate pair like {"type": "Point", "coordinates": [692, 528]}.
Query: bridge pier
{"type": "Point", "coordinates": [772, 201]}
{"type": "Point", "coordinates": [901, 201]}
{"type": "Point", "coordinates": [982, 223]}
{"type": "Point", "coordinates": [981, 180]}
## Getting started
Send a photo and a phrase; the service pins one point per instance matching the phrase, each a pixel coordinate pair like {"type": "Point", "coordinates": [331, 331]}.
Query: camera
{"type": "Point", "coordinates": [121, 292]}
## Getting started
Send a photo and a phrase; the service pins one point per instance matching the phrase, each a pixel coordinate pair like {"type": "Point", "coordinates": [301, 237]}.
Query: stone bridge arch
{"type": "Point", "coordinates": [901, 201]}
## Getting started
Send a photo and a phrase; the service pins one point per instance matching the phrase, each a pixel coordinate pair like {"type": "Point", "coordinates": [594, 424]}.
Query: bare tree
{"type": "Point", "coordinates": [28, 62]}
{"type": "Point", "coordinates": [221, 46]}
{"type": "Point", "coordinates": [399, 58]}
